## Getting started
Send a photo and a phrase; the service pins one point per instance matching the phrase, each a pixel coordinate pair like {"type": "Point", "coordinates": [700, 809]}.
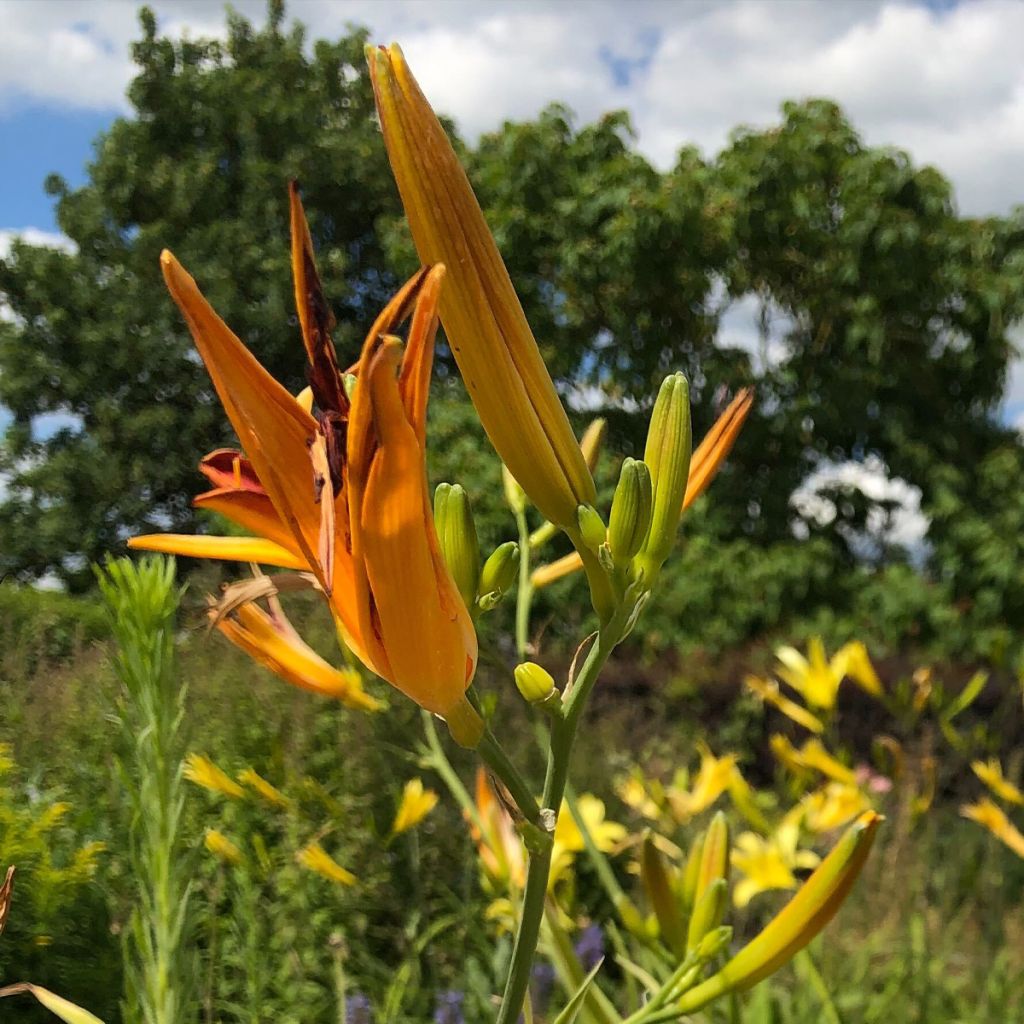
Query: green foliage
{"type": "Point", "coordinates": [142, 601]}
{"type": "Point", "coordinates": [58, 924]}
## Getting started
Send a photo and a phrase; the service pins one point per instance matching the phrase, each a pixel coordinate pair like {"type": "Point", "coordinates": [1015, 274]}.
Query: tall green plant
{"type": "Point", "coordinates": [142, 601]}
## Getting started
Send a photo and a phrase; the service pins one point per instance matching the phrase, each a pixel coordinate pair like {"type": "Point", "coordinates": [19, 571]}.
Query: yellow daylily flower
{"type": "Point", "coordinates": [859, 668]}
{"type": "Point", "coordinates": [415, 805]}
{"type": "Point", "coordinates": [315, 858]}
{"type": "Point", "coordinates": [203, 772]}
{"type": "Point", "coordinates": [483, 318]}
{"type": "Point", "coordinates": [768, 691]}
{"type": "Point", "coordinates": [992, 817]}
{"type": "Point", "coordinates": [770, 863]}
{"type": "Point", "coordinates": [803, 917]}
{"type": "Point", "coordinates": [714, 777]}
{"type": "Point", "coordinates": [568, 839]}
{"type": "Point", "coordinates": [833, 806]}
{"type": "Point", "coordinates": [342, 495]}
{"type": "Point", "coordinates": [705, 462]}
{"type": "Point", "coordinates": [270, 793]}
{"type": "Point", "coordinates": [221, 847]}
{"type": "Point", "coordinates": [817, 677]}
{"type": "Point", "coordinates": [811, 756]}
{"type": "Point", "coordinates": [991, 773]}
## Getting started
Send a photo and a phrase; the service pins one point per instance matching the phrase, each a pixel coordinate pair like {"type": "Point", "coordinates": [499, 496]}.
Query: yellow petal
{"type": "Point", "coordinates": [314, 857]}
{"type": "Point", "coordinates": [416, 804]}
{"type": "Point", "coordinates": [483, 319]}
{"type": "Point", "coordinates": [253, 512]}
{"type": "Point", "coordinates": [232, 549]}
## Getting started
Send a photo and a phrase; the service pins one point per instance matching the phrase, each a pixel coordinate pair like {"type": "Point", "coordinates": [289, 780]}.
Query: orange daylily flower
{"type": "Point", "coordinates": [705, 463]}
{"type": "Point", "coordinates": [342, 495]}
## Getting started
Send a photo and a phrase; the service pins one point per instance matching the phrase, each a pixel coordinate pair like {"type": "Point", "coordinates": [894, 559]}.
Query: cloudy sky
{"type": "Point", "coordinates": [944, 80]}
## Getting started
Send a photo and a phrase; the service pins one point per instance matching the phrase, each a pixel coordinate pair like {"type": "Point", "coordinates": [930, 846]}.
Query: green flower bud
{"type": "Point", "coordinates": [667, 455]}
{"type": "Point", "coordinates": [714, 859]}
{"type": "Point", "coordinates": [591, 526]}
{"type": "Point", "coordinates": [499, 573]}
{"type": "Point", "coordinates": [691, 872]}
{"type": "Point", "coordinates": [515, 496]}
{"type": "Point", "coordinates": [349, 381]}
{"type": "Point", "coordinates": [713, 943]}
{"type": "Point", "coordinates": [456, 533]}
{"type": "Point", "coordinates": [533, 682]}
{"type": "Point", "coordinates": [661, 894]}
{"type": "Point", "coordinates": [631, 511]}
{"type": "Point", "coordinates": [708, 913]}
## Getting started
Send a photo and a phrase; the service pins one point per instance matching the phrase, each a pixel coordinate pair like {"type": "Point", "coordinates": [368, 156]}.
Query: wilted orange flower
{"type": "Point", "coordinates": [343, 494]}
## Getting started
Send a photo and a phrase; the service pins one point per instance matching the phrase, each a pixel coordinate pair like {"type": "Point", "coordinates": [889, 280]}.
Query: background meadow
{"type": "Point", "coordinates": [876, 495]}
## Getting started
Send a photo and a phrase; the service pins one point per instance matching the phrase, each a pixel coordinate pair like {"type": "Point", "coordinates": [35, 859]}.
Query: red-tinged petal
{"type": "Point", "coordinates": [229, 468]}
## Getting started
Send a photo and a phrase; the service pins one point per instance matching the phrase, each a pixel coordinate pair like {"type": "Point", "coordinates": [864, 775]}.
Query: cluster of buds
{"type": "Point", "coordinates": [481, 586]}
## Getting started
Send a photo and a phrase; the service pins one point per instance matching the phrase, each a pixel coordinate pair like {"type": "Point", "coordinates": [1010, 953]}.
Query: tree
{"type": "Point", "coordinates": [202, 167]}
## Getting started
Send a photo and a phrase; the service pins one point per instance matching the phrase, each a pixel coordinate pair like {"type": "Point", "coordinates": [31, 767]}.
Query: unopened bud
{"type": "Point", "coordinates": [499, 573]}
{"type": "Point", "coordinates": [691, 872]}
{"type": "Point", "coordinates": [714, 860]}
{"type": "Point", "coordinates": [708, 912]}
{"type": "Point", "coordinates": [591, 526]}
{"type": "Point", "coordinates": [534, 683]}
{"type": "Point", "coordinates": [713, 943]}
{"type": "Point", "coordinates": [515, 496]}
{"type": "Point", "coordinates": [349, 381]}
{"type": "Point", "coordinates": [631, 511]}
{"type": "Point", "coordinates": [656, 881]}
{"type": "Point", "coordinates": [456, 533]}
{"type": "Point", "coordinates": [667, 456]}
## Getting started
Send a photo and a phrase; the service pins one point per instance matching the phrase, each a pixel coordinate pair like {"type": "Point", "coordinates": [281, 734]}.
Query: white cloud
{"type": "Point", "coordinates": [948, 85]}
{"type": "Point", "coordinates": [905, 526]}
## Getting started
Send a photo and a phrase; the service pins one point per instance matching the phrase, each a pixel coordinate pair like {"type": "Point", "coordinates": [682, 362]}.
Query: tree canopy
{"type": "Point", "coordinates": [885, 314]}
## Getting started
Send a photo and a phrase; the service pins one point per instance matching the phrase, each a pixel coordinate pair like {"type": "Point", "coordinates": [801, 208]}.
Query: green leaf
{"type": "Point", "coordinates": [573, 1007]}
{"type": "Point", "coordinates": [68, 1012]}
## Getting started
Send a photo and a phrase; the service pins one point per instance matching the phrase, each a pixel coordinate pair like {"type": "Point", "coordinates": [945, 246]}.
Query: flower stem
{"type": "Point", "coordinates": [524, 595]}
{"type": "Point", "coordinates": [563, 734]}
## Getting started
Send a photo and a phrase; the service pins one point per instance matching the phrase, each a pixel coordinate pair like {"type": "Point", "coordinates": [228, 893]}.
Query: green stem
{"type": "Point", "coordinates": [494, 756]}
{"type": "Point", "coordinates": [438, 760]}
{"type": "Point", "coordinates": [563, 734]}
{"type": "Point", "coordinates": [524, 595]}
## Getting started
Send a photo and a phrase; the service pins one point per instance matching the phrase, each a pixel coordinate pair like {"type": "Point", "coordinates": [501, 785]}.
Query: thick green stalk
{"type": "Point", "coordinates": [563, 734]}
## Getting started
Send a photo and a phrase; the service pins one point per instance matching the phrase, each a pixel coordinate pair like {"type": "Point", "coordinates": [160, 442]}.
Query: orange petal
{"type": "Point", "coordinates": [414, 378]}
{"type": "Point", "coordinates": [424, 625]}
{"type": "Point", "coordinates": [273, 428]}
{"type": "Point", "coordinates": [232, 549]}
{"type": "Point", "coordinates": [256, 633]}
{"type": "Point", "coordinates": [717, 443]}
{"type": "Point", "coordinates": [251, 511]}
